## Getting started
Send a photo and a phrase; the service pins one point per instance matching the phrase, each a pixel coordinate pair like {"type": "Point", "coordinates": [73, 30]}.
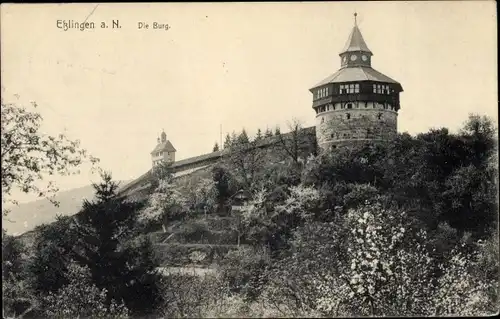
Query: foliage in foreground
{"type": "Point", "coordinates": [28, 155]}
{"type": "Point", "coordinates": [403, 228]}
{"type": "Point", "coordinates": [370, 262]}
{"type": "Point", "coordinates": [102, 238]}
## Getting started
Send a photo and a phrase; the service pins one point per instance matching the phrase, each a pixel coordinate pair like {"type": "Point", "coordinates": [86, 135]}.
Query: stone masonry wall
{"type": "Point", "coordinates": [343, 126]}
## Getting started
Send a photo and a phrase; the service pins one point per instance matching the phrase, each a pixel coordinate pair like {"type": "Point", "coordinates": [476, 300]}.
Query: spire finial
{"type": "Point", "coordinates": [355, 18]}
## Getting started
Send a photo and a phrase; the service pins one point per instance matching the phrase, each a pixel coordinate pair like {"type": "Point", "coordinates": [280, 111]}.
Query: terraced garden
{"type": "Point", "coordinates": [195, 246]}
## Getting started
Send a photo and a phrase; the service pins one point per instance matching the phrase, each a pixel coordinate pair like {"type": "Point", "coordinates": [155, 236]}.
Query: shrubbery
{"type": "Point", "coordinates": [405, 228]}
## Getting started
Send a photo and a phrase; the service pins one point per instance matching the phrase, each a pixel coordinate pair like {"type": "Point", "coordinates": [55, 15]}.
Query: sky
{"type": "Point", "coordinates": [239, 65]}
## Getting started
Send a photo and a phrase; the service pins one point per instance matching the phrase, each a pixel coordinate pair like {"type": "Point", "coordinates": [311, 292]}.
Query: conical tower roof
{"type": "Point", "coordinates": [355, 42]}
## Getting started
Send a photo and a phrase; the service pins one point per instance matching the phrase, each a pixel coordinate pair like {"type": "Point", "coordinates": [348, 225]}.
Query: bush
{"type": "Point", "coordinates": [81, 298]}
{"type": "Point", "coordinates": [191, 296]}
{"type": "Point", "coordinates": [243, 270]}
{"type": "Point", "coordinates": [371, 262]}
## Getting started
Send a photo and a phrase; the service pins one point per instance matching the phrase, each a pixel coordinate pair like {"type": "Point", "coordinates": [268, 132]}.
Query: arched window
{"type": "Point", "coordinates": [348, 116]}
{"type": "Point", "coordinates": [349, 105]}
{"type": "Point", "coordinates": [322, 120]}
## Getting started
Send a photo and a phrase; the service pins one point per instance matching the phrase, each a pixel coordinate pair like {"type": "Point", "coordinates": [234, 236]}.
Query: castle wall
{"type": "Point", "coordinates": [363, 122]}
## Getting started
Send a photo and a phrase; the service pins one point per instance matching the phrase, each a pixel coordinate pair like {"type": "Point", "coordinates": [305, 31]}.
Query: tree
{"type": "Point", "coordinates": [243, 137]}
{"type": "Point", "coordinates": [162, 171]}
{"type": "Point", "coordinates": [81, 298]}
{"type": "Point", "coordinates": [165, 204]}
{"type": "Point", "coordinates": [277, 131]}
{"type": "Point", "coordinates": [216, 147]}
{"type": "Point", "coordinates": [221, 180]}
{"type": "Point", "coordinates": [258, 136]}
{"type": "Point", "coordinates": [227, 141]}
{"type": "Point", "coordinates": [107, 244]}
{"type": "Point", "coordinates": [296, 144]}
{"type": "Point", "coordinates": [28, 155]}
{"type": "Point", "coordinates": [268, 133]}
{"type": "Point", "coordinates": [245, 161]}
{"type": "Point", "coordinates": [234, 138]}
{"type": "Point", "coordinates": [17, 297]}
{"type": "Point", "coordinates": [199, 195]}
{"type": "Point", "coordinates": [103, 237]}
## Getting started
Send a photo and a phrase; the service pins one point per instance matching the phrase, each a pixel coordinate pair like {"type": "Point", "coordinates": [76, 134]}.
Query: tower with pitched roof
{"type": "Point", "coordinates": [357, 103]}
{"type": "Point", "coordinates": [163, 152]}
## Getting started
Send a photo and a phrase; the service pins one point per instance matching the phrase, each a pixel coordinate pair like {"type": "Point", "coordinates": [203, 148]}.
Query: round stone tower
{"type": "Point", "coordinates": [356, 103]}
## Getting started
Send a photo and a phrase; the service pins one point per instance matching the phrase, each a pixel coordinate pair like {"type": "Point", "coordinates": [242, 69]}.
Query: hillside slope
{"type": "Point", "coordinates": [26, 216]}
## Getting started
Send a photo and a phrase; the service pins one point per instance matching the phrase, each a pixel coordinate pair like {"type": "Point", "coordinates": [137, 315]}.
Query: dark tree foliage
{"type": "Point", "coordinates": [102, 236]}
{"type": "Point", "coordinates": [221, 178]}
{"type": "Point", "coordinates": [437, 176]}
{"type": "Point", "coordinates": [243, 137]}
{"type": "Point", "coordinates": [53, 249]}
{"type": "Point", "coordinates": [16, 295]}
{"type": "Point", "coordinates": [268, 133]}
{"type": "Point", "coordinates": [227, 141]}
{"type": "Point", "coordinates": [12, 250]}
{"type": "Point", "coordinates": [258, 135]}
{"type": "Point", "coordinates": [125, 268]}
{"type": "Point", "coordinates": [216, 147]}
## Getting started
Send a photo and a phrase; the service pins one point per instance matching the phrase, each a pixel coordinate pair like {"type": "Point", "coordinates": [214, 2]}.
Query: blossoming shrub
{"type": "Point", "coordinates": [293, 282]}
{"type": "Point", "coordinates": [165, 204]}
{"type": "Point", "coordinates": [371, 262]}
{"type": "Point", "coordinates": [465, 288]}
{"type": "Point", "coordinates": [388, 268]}
{"type": "Point", "coordinates": [81, 299]}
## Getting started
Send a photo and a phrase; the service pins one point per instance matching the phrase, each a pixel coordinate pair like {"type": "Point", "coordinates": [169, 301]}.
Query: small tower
{"type": "Point", "coordinates": [357, 103]}
{"type": "Point", "coordinates": [163, 152]}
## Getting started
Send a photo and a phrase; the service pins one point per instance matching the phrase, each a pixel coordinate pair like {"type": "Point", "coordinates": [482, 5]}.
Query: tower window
{"type": "Point", "coordinates": [356, 88]}
{"type": "Point", "coordinates": [326, 91]}
{"type": "Point", "coordinates": [341, 89]}
{"type": "Point", "coordinates": [348, 116]}
{"type": "Point", "coordinates": [322, 120]}
{"type": "Point", "coordinates": [374, 88]}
